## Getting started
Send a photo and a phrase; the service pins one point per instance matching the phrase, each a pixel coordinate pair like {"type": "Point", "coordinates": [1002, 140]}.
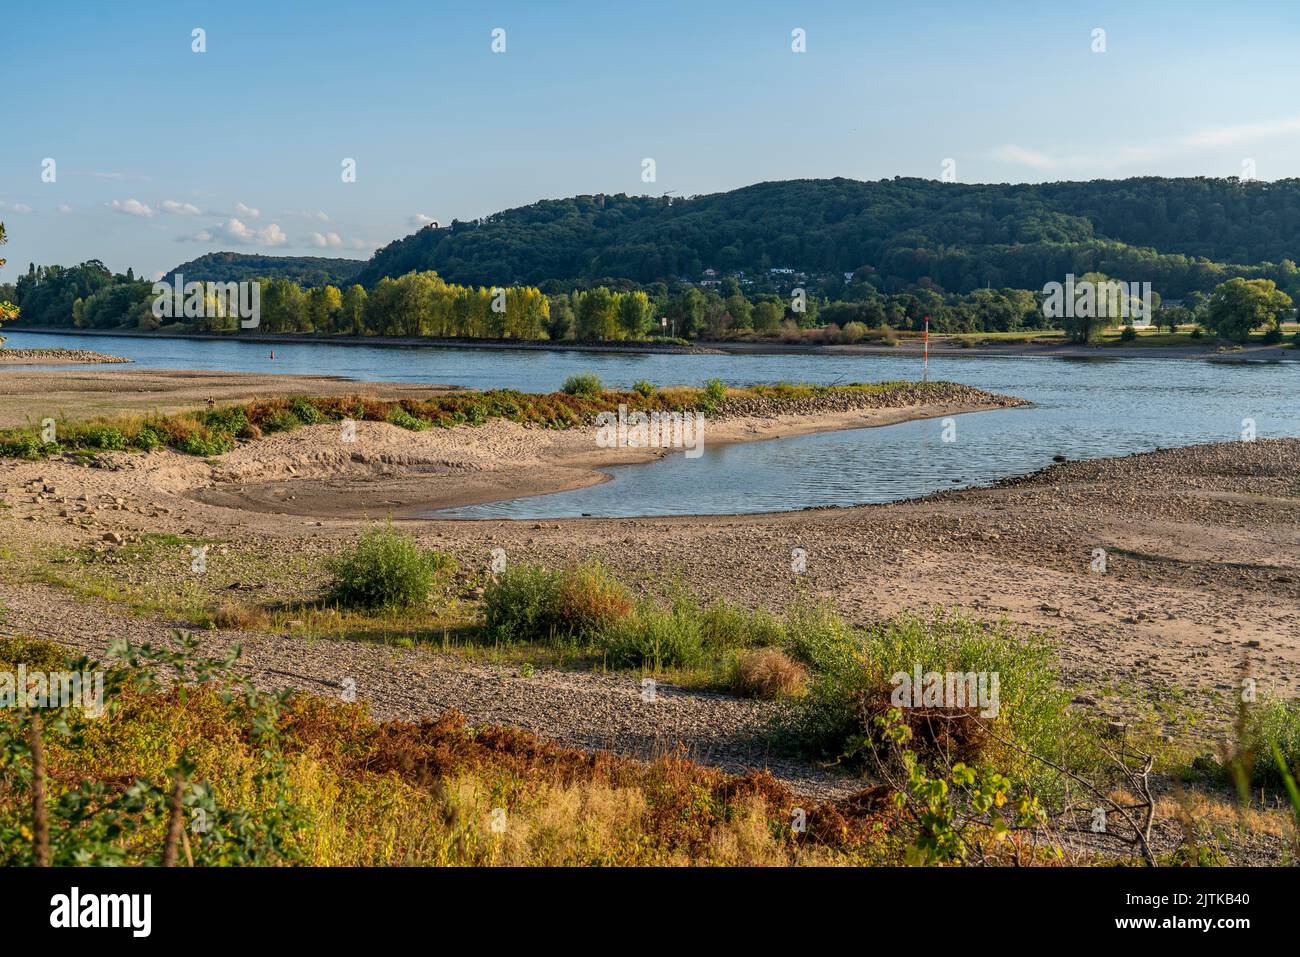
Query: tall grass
{"type": "Point", "coordinates": [587, 606]}
{"type": "Point", "coordinates": [362, 793]}
{"type": "Point", "coordinates": [1271, 732]}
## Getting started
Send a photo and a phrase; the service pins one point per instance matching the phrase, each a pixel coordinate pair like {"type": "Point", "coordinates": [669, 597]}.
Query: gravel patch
{"type": "Point", "coordinates": [579, 709]}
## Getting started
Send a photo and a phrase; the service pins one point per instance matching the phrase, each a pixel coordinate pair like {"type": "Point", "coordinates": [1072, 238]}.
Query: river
{"type": "Point", "coordinates": [1082, 409]}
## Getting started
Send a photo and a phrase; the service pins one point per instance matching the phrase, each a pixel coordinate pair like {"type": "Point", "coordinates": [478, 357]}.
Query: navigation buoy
{"type": "Point", "coordinates": [272, 353]}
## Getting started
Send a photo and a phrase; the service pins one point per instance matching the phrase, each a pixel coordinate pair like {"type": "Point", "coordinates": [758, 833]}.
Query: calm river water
{"type": "Point", "coordinates": [1083, 409]}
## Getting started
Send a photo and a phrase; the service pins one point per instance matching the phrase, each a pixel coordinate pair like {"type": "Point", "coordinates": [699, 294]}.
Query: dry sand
{"type": "Point", "coordinates": [390, 473]}
{"type": "Point", "coordinates": [28, 396]}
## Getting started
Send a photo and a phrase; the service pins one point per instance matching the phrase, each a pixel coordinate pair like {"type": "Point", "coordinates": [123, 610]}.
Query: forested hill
{"type": "Point", "coordinates": [1170, 231]}
{"type": "Point", "coordinates": [239, 267]}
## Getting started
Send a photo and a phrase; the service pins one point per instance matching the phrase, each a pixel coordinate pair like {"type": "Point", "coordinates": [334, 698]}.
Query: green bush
{"type": "Point", "coordinates": [584, 384]}
{"type": "Point", "coordinates": [232, 420]}
{"type": "Point", "coordinates": [852, 671]}
{"type": "Point", "coordinates": [519, 604]}
{"type": "Point", "coordinates": [644, 389]}
{"type": "Point", "coordinates": [530, 603]}
{"type": "Point", "coordinates": [104, 438]}
{"type": "Point", "coordinates": [282, 421]}
{"type": "Point", "coordinates": [400, 417]}
{"type": "Point", "coordinates": [1128, 334]}
{"type": "Point", "coordinates": [817, 636]}
{"type": "Point", "coordinates": [206, 445]}
{"type": "Point", "coordinates": [1272, 723]}
{"type": "Point", "coordinates": [305, 412]}
{"type": "Point", "coordinates": [589, 599]}
{"type": "Point", "coordinates": [688, 633]}
{"type": "Point", "coordinates": [385, 569]}
{"type": "Point", "coordinates": [715, 392]}
{"type": "Point", "coordinates": [853, 332]}
{"type": "Point", "coordinates": [18, 444]}
{"type": "Point", "coordinates": [1273, 335]}
{"type": "Point", "coordinates": [728, 627]}
{"type": "Point", "coordinates": [654, 637]}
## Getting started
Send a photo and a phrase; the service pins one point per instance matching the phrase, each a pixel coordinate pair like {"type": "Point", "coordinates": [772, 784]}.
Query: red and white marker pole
{"type": "Point", "coordinates": [925, 365]}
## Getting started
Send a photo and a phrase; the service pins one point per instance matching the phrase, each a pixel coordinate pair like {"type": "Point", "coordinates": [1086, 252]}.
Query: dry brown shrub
{"type": "Point", "coordinates": [240, 616]}
{"type": "Point", "coordinates": [768, 673]}
{"type": "Point", "coordinates": [589, 598]}
{"type": "Point", "coordinates": [954, 734]}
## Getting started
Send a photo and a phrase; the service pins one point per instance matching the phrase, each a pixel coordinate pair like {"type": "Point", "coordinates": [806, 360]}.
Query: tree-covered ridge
{"type": "Point", "coordinates": [774, 260]}
{"type": "Point", "coordinates": [1180, 234]}
{"type": "Point", "coordinates": [241, 267]}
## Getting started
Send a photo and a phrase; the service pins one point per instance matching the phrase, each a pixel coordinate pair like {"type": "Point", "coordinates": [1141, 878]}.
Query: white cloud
{"type": "Point", "coordinates": [306, 214]}
{"type": "Point", "coordinates": [180, 209]}
{"type": "Point", "coordinates": [119, 177]}
{"type": "Point", "coordinates": [248, 211]}
{"type": "Point", "coordinates": [15, 207]}
{"type": "Point", "coordinates": [132, 207]}
{"type": "Point", "coordinates": [420, 219]}
{"type": "Point", "coordinates": [235, 231]}
{"type": "Point", "coordinates": [64, 208]}
{"type": "Point", "coordinates": [1230, 135]}
{"type": "Point", "coordinates": [1119, 157]}
{"type": "Point", "coordinates": [269, 235]}
{"type": "Point", "coordinates": [1011, 153]}
{"type": "Point", "coordinates": [330, 240]}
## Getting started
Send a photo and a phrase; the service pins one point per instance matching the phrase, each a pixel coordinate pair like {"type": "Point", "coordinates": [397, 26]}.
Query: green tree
{"type": "Point", "coordinates": [323, 306]}
{"type": "Point", "coordinates": [352, 310]}
{"type": "Point", "coordinates": [414, 304]}
{"type": "Point", "coordinates": [686, 310]}
{"type": "Point", "coordinates": [283, 308]}
{"type": "Point", "coordinates": [381, 308]}
{"type": "Point", "coordinates": [1095, 306]}
{"type": "Point", "coordinates": [596, 318]}
{"type": "Point", "coordinates": [1239, 306]}
{"type": "Point", "coordinates": [560, 324]}
{"type": "Point", "coordinates": [739, 310]}
{"type": "Point", "coordinates": [634, 314]}
{"type": "Point", "coordinates": [1171, 317]}
{"type": "Point", "coordinates": [716, 318]}
{"type": "Point", "coordinates": [768, 315]}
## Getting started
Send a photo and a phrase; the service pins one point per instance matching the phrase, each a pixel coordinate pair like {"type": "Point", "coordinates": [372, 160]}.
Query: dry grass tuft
{"type": "Point", "coordinates": [768, 673]}
{"type": "Point", "coordinates": [241, 617]}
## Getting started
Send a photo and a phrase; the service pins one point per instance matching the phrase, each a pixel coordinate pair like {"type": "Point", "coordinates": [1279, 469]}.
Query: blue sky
{"type": "Point", "coordinates": [163, 154]}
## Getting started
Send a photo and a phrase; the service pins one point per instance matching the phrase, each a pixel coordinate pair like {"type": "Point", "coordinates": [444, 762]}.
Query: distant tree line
{"type": "Point", "coordinates": [421, 304]}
